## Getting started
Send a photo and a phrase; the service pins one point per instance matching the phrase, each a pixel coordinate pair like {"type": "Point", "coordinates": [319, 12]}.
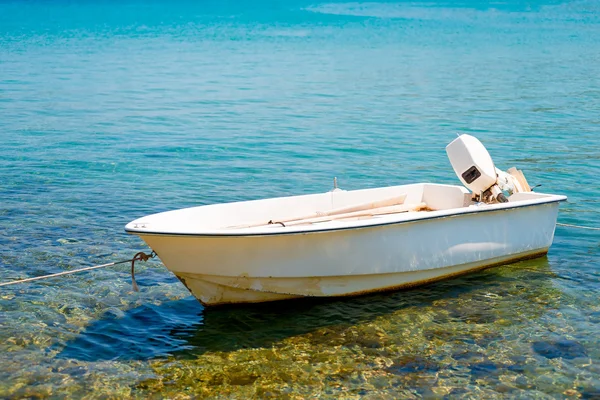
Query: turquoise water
{"type": "Point", "coordinates": [113, 110]}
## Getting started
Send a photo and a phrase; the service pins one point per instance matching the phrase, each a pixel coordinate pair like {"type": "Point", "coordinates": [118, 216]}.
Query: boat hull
{"type": "Point", "coordinates": [221, 269]}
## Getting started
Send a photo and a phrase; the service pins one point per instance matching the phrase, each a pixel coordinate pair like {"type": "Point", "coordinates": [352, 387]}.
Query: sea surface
{"type": "Point", "coordinates": [112, 110]}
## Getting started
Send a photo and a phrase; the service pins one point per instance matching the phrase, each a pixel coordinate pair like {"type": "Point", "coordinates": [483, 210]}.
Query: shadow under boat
{"type": "Point", "coordinates": [184, 329]}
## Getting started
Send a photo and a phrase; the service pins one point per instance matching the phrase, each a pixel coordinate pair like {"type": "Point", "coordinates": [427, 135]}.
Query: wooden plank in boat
{"type": "Point", "coordinates": [391, 201]}
{"type": "Point", "coordinates": [365, 213]}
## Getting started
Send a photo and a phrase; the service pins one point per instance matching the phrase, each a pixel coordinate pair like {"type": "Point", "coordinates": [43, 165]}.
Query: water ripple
{"type": "Point", "coordinates": [113, 111]}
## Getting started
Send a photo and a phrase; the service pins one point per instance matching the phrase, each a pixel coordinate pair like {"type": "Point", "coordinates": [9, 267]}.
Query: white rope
{"type": "Point", "coordinates": [59, 274]}
{"type": "Point", "coordinates": [138, 257]}
{"type": "Point", "coordinates": [579, 226]}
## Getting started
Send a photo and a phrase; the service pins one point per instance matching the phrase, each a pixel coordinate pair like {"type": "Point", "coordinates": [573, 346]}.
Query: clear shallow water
{"type": "Point", "coordinates": [113, 111]}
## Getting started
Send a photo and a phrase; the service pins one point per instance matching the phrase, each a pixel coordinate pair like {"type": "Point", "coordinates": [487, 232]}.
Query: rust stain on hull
{"type": "Point", "coordinates": [277, 296]}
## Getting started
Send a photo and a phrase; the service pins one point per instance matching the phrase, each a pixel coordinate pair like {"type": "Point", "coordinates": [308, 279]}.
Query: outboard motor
{"type": "Point", "coordinates": [475, 168]}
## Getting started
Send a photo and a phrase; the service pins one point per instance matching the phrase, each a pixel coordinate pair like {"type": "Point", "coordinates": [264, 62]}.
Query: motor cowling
{"type": "Point", "coordinates": [475, 168]}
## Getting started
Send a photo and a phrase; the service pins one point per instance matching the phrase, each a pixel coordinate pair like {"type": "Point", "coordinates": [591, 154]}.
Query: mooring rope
{"type": "Point", "coordinates": [141, 256]}
{"type": "Point", "coordinates": [579, 226]}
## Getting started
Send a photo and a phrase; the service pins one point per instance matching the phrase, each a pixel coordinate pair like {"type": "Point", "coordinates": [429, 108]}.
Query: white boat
{"type": "Point", "coordinates": [344, 243]}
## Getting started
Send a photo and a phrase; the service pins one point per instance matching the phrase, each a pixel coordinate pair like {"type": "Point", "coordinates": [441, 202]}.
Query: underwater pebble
{"type": "Point", "coordinates": [484, 369]}
{"type": "Point", "coordinates": [409, 365]}
{"type": "Point", "coordinates": [563, 348]}
{"type": "Point", "coordinates": [67, 241]}
{"type": "Point", "coordinates": [522, 382]}
{"type": "Point", "coordinates": [504, 388]}
{"type": "Point", "coordinates": [595, 317]}
{"type": "Point", "coordinates": [591, 394]}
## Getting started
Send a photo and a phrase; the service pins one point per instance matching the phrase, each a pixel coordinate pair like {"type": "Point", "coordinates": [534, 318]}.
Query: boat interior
{"type": "Point", "coordinates": [323, 210]}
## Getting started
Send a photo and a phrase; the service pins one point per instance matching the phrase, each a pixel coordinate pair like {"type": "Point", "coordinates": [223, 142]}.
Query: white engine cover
{"type": "Point", "coordinates": [472, 163]}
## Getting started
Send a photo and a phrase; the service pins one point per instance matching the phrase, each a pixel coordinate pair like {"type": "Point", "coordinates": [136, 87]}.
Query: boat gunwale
{"type": "Point", "coordinates": [440, 214]}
